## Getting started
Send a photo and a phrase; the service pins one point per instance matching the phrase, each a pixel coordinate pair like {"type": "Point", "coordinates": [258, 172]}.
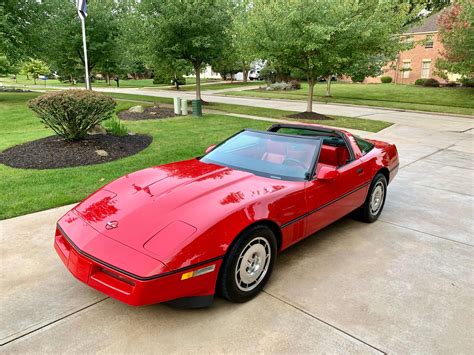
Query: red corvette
{"type": "Point", "coordinates": [181, 232]}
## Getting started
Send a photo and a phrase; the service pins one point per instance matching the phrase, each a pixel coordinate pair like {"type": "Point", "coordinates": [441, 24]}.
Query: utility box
{"type": "Point", "coordinates": [177, 105]}
{"type": "Point", "coordinates": [184, 107]}
{"type": "Point", "coordinates": [197, 108]}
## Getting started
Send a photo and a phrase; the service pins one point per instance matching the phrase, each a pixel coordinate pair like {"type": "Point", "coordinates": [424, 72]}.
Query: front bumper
{"type": "Point", "coordinates": [168, 286]}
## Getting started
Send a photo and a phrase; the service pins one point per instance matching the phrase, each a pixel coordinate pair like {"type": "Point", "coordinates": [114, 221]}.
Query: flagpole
{"type": "Point", "coordinates": [84, 45]}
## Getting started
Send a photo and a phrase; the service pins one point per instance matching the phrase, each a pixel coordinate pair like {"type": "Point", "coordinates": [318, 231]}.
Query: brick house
{"type": "Point", "coordinates": [418, 62]}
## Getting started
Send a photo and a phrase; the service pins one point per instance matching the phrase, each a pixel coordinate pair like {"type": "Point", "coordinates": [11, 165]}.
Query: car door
{"type": "Point", "coordinates": [329, 200]}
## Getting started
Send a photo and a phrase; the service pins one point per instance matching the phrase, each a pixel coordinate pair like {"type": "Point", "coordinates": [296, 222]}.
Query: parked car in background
{"type": "Point", "coordinates": [254, 74]}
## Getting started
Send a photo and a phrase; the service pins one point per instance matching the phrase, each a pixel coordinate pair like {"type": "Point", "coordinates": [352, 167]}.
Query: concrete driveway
{"type": "Point", "coordinates": [404, 284]}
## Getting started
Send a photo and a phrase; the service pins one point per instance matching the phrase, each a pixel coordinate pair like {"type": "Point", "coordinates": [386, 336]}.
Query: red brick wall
{"type": "Point", "coordinates": [416, 56]}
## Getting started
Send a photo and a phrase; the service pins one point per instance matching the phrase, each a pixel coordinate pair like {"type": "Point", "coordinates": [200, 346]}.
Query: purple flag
{"type": "Point", "coordinates": [81, 8]}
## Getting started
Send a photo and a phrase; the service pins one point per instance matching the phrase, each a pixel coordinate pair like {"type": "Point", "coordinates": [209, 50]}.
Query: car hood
{"type": "Point", "coordinates": [132, 209]}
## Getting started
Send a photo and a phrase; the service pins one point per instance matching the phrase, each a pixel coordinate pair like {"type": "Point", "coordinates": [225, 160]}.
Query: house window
{"type": "Point", "coordinates": [407, 39]}
{"type": "Point", "coordinates": [406, 68]}
{"type": "Point", "coordinates": [429, 42]}
{"type": "Point", "coordinates": [425, 69]}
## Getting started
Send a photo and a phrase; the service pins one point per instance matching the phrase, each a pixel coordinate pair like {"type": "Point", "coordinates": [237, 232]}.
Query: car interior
{"type": "Point", "coordinates": [281, 153]}
{"type": "Point", "coordinates": [282, 157]}
{"type": "Point", "coordinates": [334, 151]}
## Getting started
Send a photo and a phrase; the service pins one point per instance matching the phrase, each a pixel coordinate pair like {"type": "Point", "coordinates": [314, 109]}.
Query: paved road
{"type": "Point", "coordinates": [404, 284]}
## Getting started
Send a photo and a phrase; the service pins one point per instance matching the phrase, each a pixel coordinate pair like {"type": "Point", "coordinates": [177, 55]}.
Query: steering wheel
{"type": "Point", "coordinates": [294, 162]}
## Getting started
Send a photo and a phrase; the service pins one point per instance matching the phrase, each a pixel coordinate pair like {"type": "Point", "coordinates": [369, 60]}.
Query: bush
{"type": "Point", "coordinates": [115, 127]}
{"type": "Point", "coordinates": [386, 79]}
{"type": "Point", "coordinates": [268, 74]}
{"type": "Point", "coordinates": [451, 84]}
{"type": "Point", "coordinates": [71, 113]}
{"type": "Point", "coordinates": [278, 86]}
{"type": "Point", "coordinates": [295, 85]}
{"type": "Point", "coordinates": [420, 81]}
{"type": "Point", "coordinates": [431, 83]}
{"type": "Point", "coordinates": [467, 82]}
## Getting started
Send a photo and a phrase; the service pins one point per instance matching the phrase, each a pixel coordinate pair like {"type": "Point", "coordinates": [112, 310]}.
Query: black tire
{"type": "Point", "coordinates": [367, 213]}
{"type": "Point", "coordinates": [254, 238]}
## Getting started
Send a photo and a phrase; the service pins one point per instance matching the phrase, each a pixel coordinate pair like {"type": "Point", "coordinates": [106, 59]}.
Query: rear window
{"type": "Point", "coordinates": [364, 146]}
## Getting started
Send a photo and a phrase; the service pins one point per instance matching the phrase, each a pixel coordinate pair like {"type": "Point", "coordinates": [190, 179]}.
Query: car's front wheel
{"type": "Point", "coordinates": [248, 264]}
{"type": "Point", "coordinates": [372, 208]}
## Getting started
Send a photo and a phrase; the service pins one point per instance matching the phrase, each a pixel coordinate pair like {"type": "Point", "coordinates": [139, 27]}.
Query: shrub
{"type": "Point", "coordinates": [420, 81]}
{"type": "Point", "coordinates": [467, 82]}
{"type": "Point", "coordinates": [386, 79]}
{"type": "Point", "coordinates": [431, 83]}
{"type": "Point", "coordinates": [71, 113]}
{"type": "Point", "coordinates": [451, 84]}
{"type": "Point", "coordinates": [295, 85]}
{"type": "Point", "coordinates": [278, 86]}
{"type": "Point", "coordinates": [115, 127]}
{"type": "Point", "coordinates": [268, 74]}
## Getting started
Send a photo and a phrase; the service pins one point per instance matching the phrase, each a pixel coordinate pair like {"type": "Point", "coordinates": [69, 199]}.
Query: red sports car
{"type": "Point", "coordinates": [181, 232]}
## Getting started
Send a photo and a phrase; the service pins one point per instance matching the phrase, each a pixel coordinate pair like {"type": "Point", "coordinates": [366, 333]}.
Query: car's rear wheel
{"type": "Point", "coordinates": [373, 205]}
{"type": "Point", "coordinates": [248, 264]}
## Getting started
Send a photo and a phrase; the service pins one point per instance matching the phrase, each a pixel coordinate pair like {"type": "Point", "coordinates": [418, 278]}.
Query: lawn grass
{"type": "Point", "coordinates": [140, 98]}
{"type": "Point", "coordinates": [408, 97]}
{"type": "Point", "coordinates": [369, 125]}
{"type": "Point", "coordinates": [25, 191]}
{"type": "Point", "coordinates": [22, 81]}
{"type": "Point", "coordinates": [218, 86]}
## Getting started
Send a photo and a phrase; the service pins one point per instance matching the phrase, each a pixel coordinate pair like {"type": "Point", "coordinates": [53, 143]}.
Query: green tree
{"type": "Point", "coordinates": [62, 28]}
{"type": "Point", "coordinates": [131, 45]}
{"type": "Point", "coordinates": [4, 65]}
{"type": "Point", "coordinates": [365, 67]}
{"type": "Point", "coordinates": [35, 67]}
{"type": "Point", "coordinates": [20, 22]}
{"type": "Point", "coordinates": [243, 53]}
{"type": "Point", "coordinates": [191, 30]}
{"type": "Point", "coordinates": [456, 31]}
{"type": "Point", "coordinates": [419, 9]}
{"type": "Point", "coordinates": [171, 71]}
{"type": "Point", "coordinates": [227, 65]}
{"type": "Point", "coordinates": [320, 37]}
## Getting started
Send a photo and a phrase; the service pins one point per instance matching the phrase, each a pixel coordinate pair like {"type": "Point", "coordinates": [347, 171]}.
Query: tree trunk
{"type": "Point", "coordinates": [34, 79]}
{"type": "Point", "coordinates": [309, 105]}
{"type": "Point", "coordinates": [245, 74]}
{"type": "Point", "coordinates": [176, 82]}
{"type": "Point", "coordinates": [107, 79]}
{"type": "Point", "coordinates": [197, 69]}
{"type": "Point", "coordinates": [328, 86]}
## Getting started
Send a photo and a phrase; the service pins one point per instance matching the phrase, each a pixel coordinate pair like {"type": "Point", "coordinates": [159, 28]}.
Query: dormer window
{"type": "Point", "coordinates": [429, 41]}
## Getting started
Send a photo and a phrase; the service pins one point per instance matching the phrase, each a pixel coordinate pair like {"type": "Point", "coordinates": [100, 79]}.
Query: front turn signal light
{"type": "Point", "coordinates": [198, 272]}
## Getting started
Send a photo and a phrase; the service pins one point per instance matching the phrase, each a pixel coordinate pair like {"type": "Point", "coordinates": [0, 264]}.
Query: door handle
{"type": "Point", "coordinates": [360, 171]}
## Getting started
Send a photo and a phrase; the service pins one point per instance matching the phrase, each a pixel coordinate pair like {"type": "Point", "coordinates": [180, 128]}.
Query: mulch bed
{"type": "Point", "coordinates": [149, 113]}
{"type": "Point", "coordinates": [310, 116]}
{"type": "Point", "coordinates": [54, 152]}
{"type": "Point", "coordinates": [12, 89]}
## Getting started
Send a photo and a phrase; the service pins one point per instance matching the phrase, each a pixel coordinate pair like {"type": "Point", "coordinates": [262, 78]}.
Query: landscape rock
{"type": "Point", "coordinates": [138, 109]}
{"type": "Point", "coordinates": [101, 153]}
{"type": "Point", "coordinates": [97, 129]}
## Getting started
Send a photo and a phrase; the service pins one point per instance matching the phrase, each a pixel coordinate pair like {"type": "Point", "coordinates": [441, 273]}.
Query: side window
{"type": "Point", "coordinates": [364, 146]}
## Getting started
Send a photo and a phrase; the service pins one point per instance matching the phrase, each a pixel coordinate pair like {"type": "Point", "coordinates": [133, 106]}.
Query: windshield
{"type": "Point", "coordinates": [267, 154]}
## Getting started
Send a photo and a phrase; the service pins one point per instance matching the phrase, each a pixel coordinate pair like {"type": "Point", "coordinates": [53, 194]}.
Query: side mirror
{"type": "Point", "coordinates": [327, 173]}
{"type": "Point", "coordinates": [208, 149]}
